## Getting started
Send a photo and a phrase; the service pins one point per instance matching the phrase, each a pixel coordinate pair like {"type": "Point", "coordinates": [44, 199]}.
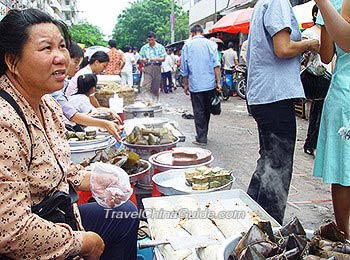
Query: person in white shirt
{"type": "Point", "coordinates": [176, 62]}
{"type": "Point", "coordinates": [86, 86]}
{"type": "Point", "coordinates": [126, 73]}
{"type": "Point", "coordinates": [229, 60]}
{"type": "Point", "coordinates": [167, 67]}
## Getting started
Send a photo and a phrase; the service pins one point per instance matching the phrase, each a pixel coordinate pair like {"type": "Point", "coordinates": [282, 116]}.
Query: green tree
{"type": "Point", "coordinates": [144, 16]}
{"type": "Point", "coordinates": [87, 34]}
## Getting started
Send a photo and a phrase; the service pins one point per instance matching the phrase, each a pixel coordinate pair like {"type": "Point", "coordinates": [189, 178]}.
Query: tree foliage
{"type": "Point", "coordinates": [144, 16]}
{"type": "Point", "coordinates": [87, 34]}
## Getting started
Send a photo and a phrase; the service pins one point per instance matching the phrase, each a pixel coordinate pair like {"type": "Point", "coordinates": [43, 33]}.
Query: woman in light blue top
{"type": "Point", "coordinates": [332, 161]}
{"type": "Point", "coordinates": [273, 55]}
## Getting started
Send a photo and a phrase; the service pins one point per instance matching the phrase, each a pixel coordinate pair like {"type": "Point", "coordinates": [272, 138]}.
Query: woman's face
{"type": "Point", "coordinates": [99, 67]}
{"type": "Point", "coordinates": [43, 65]}
{"type": "Point", "coordinates": [73, 67]}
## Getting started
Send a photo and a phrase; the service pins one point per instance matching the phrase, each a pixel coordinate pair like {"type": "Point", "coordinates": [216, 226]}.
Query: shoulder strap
{"type": "Point", "coordinates": [6, 96]}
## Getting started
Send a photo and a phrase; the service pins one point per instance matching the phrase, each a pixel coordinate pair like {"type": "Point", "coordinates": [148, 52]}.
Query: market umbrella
{"type": "Point", "coordinates": [91, 50]}
{"type": "Point", "coordinates": [235, 22]}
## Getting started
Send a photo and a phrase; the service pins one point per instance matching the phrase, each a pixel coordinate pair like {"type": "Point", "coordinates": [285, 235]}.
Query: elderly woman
{"type": "Point", "coordinates": [34, 154]}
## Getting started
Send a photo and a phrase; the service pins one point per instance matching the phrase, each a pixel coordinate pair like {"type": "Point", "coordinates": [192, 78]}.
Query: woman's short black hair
{"type": "Point", "coordinates": [101, 56]}
{"type": "Point", "coordinates": [127, 48]}
{"type": "Point", "coordinates": [14, 31]}
{"type": "Point", "coordinates": [75, 51]}
{"type": "Point", "coordinates": [85, 83]}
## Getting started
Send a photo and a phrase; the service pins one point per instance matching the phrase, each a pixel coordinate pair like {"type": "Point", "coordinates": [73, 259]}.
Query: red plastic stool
{"type": "Point", "coordinates": [155, 192]}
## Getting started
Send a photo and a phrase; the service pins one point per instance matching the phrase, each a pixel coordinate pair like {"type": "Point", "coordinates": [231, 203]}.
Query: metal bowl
{"type": "Point", "coordinates": [140, 175]}
{"type": "Point", "coordinates": [230, 244]}
{"type": "Point", "coordinates": [147, 150]}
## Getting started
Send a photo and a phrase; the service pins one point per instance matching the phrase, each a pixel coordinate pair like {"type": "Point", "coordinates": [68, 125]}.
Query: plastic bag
{"type": "Point", "coordinates": [314, 65]}
{"type": "Point", "coordinates": [215, 104]}
{"type": "Point", "coordinates": [110, 185]}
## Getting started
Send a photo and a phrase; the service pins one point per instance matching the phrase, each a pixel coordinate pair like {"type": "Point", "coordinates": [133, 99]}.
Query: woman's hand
{"type": "Point", "coordinates": [114, 128]}
{"type": "Point", "coordinates": [93, 246]}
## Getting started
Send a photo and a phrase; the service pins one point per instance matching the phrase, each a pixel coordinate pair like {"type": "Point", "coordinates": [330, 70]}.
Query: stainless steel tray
{"type": "Point", "coordinates": [100, 138]}
{"type": "Point", "coordinates": [147, 148]}
{"type": "Point", "coordinates": [173, 182]}
{"type": "Point", "coordinates": [228, 198]}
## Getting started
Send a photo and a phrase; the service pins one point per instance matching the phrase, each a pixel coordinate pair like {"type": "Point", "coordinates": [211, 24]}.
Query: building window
{"type": "Point", "coordinates": [67, 2]}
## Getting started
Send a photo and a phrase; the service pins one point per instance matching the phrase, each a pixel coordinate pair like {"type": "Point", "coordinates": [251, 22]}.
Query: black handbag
{"type": "Point", "coordinates": [57, 207]}
{"type": "Point", "coordinates": [315, 87]}
{"type": "Point", "coordinates": [215, 104]}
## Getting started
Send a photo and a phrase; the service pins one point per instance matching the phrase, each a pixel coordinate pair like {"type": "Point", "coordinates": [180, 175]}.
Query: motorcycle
{"type": "Point", "coordinates": [237, 81]}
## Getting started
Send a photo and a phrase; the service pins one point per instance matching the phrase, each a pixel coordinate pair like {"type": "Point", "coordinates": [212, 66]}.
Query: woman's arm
{"type": "Point", "coordinates": [338, 26]}
{"type": "Point", "coordinates": [285, 48]}
{"type": "Point", "coordinates": [327, 46]}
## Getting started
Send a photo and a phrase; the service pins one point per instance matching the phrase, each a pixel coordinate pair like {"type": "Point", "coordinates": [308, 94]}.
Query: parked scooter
{"type": "Point", "coordinates": [235, 82]}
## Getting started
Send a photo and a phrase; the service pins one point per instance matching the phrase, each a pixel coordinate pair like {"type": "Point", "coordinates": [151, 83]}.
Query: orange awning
{"type": "Point", "coordinates": [235, 22]}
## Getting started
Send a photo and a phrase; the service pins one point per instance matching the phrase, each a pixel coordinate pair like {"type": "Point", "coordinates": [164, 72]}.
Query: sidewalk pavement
{"type": "Point", "coordinates": [233, 140]}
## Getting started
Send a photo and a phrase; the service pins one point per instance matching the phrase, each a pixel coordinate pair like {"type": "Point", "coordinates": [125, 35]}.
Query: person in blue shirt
{"type": "Point", "coordinates": [152, 55]}
{"type": "Point", "coordinates": [273, 59]}
{"type": "Point", "coordinates": [200, 69]}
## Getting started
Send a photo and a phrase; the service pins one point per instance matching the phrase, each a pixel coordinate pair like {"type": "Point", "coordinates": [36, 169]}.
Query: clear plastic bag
{"type": "Point", "coordinates": [110, 185]}
{"type": "Point", "coordinates": [315, 66]}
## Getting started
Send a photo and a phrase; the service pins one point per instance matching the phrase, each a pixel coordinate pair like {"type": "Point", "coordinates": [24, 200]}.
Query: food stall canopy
{"type": "Point", "coordinates": [235, 22]}
{"type": "Point", "coordinates": [303, 13]}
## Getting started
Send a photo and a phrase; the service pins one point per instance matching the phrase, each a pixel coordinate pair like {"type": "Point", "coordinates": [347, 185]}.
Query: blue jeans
{"type": "Point", "coordinates": [269, 185]}
{"type": "Point", "coordinates": [118, 234]}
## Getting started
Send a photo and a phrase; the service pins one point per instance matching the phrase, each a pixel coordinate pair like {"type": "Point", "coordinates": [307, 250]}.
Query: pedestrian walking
{"type": "Point", "coordinates": [152, 55]}
{"type": "Point", "coordinates": [273, 56]}
{"type": "Point", "coordinates": [200, 69]}
{"type": "Point", "coordinates": [167, 67]}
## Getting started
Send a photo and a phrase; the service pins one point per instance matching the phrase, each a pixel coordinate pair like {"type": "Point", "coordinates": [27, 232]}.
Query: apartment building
{"type": "Point", "coordinates": [65, 10]}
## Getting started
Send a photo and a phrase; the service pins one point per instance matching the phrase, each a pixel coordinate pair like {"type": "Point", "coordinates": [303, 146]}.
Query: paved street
{"type": "Point", "coordinates": [233, 141]}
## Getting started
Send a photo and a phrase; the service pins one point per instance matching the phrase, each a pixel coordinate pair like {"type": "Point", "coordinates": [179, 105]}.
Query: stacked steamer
{"type": "Point", "coordinates": [179, 158]}
{"type": "Point", "coordinates": [147, 139]}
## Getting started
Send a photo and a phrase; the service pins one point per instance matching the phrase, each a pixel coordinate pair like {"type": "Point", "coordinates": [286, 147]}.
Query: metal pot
{"type": "Point", "coordinates": [81, 150]}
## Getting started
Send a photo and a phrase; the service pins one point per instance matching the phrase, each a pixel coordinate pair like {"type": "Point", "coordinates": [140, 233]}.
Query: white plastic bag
{"type": "Point", "coordinates": [110, 185]}
{"type": "Point", "coordinates": [315, 66]}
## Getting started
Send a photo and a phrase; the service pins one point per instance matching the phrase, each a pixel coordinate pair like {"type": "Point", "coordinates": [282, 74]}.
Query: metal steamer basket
{"type": "Point", "coordinates": [145, 151]}
{"type": "Point", "coordinates": [133, 111]}
{"type": "Point", "coordinates": [87, 149]}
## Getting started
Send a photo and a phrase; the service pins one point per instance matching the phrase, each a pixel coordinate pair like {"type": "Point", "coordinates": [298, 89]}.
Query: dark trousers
{"type": "Point", "coordinates": [314, 124]}
{"type": "Point", "coordinates": [118, 233]}
{"type": "Point", "coordinates": [270, 182]}
{"type": "Point", "coordinates": [201, 111]}
{"type": "Point", "coordinates": [167, 81]}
